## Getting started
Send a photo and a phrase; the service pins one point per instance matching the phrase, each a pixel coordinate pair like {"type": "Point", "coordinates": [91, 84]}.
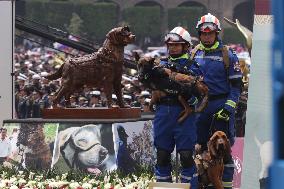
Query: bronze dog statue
{"type": "Point", "coordinates": [102, 69]}
{"type": "Point", "coordinates": [164, 82]}
{"type": "Point", "coordinates": [210, 164]}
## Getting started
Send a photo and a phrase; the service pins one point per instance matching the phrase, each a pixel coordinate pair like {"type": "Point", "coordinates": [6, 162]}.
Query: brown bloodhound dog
{"type": "Point", "coordinates": [210, 164]}
{"type": "Point", "coordinates": [102, 69]}
{"type": "Point", "coordinates": [163, 82]}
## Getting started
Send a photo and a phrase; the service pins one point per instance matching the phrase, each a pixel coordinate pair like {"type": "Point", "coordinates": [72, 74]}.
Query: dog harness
{"type": "Point", "coordinates": [77, 151]}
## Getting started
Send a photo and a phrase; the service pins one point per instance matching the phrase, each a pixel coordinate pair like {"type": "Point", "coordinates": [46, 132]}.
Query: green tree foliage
{"type": "Point", "coordinates": [144, 21]}
{"type": "Point", "coordinates": [98, 19]}
{"type": "Point", "coordinates": [54, 13]}
{"type": "Point", "coordinates": [35, 10]}
{"type": "Point", "coordinates": [76, 25]}
{"type": "Point", "coordinates": [186, 17]}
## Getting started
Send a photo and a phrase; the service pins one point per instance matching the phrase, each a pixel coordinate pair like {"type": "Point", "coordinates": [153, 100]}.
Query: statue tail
{"type": "Point", "coordinates": [56, 74]}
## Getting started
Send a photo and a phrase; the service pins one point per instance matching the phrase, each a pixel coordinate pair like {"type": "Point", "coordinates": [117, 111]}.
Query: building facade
{"type": "Point", "coordinates": [232, 9]}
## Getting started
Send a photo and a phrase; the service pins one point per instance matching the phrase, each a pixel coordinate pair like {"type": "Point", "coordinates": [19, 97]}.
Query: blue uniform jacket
{"type": "Point", "coordinates": [215, 75]}
{"type": "Point", "coordinates": [181, 63]}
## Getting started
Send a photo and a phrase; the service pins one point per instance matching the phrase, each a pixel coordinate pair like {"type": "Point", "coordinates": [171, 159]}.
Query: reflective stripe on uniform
{"type": "Point", "coordinates": [163, 178]}
{"type": "Point", "coordinates": [195, 175]}
{"type": "Point", "coordinates": [229, 165]}
{"type": "Point", "coordinates": [189, 178]}
{"type": "Point", "coordinates": [235, 76]}
{"type": "Point", "coordinates": [185, 177]}
{"type": "Point", "coordinates": [215, 58]}
{"type": "Point", "coordinates": [227, 184]}
{"type": "Point", "coordinates": [231, 103]}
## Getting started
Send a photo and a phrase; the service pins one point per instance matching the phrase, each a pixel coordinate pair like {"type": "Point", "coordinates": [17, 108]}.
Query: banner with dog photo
{"type": "Point", "coordinates": [133, 145]}
{"type": "Point", "coordinates": [84, 147]}
{"type": "Point", "coordinates": [28, 145]}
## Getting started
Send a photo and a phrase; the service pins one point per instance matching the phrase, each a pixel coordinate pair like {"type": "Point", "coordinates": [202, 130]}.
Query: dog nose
{"type": "Point", "coordinates": [220, 141]}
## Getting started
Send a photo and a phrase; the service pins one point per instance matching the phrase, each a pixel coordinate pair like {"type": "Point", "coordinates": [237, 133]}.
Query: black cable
{"type": "Point", "coordinates": [20, 36]}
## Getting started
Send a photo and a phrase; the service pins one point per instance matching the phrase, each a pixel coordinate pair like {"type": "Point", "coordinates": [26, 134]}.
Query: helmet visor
{"type": "Point", "coordinates": [173, 38]}
{"type": "Point", "coordinates": [208, 27]}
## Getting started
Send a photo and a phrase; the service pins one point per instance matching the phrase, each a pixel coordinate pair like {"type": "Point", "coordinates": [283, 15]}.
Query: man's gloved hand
{"type": "Point", "coordinates": [223, 114]}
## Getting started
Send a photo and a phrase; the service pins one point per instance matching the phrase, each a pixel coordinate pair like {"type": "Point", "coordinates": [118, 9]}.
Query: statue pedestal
{"type": "Point", "coordinates": [91, 113]}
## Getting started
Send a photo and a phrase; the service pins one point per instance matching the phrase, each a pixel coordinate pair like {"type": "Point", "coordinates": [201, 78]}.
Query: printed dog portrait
{"type": "Point", "coordinates": [81, 148]}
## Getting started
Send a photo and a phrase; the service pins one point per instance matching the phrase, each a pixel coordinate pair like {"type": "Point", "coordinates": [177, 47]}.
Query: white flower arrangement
{"type": "Point", "coordinates": [34, 181]}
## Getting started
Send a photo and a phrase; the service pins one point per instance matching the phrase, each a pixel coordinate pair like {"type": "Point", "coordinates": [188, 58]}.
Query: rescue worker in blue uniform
{"type": "Point", "coordinates": [168, 133]}
{"type": "Point", "coordinates": [222, 74]}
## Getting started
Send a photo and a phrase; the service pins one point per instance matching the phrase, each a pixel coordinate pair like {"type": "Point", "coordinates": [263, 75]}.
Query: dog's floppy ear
{"type": "Point", "coordinates": [211, 148]}
{"type": "Point", "coordinates": [211, 145]}
{"type": "Point", "coordinates": [228, 145]}
{"type": "Point", "coordinates": [126, 28]}
{"type": "Point", "coordinates": [61, 139]}
{"type": "Point", "coordinates": [86, 136]}
{"type": "Point", "coordinates": [111, 35]}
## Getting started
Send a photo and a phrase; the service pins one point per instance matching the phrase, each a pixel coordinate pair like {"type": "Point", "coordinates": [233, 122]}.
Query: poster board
{"type": "Point", "coordinates": [6, 59]}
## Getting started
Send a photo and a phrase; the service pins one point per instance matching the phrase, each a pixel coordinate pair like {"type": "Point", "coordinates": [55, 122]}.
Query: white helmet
{"type": "Point", "coordinates": [178, 35]}
{"type": "Point", "coordinates": [208, 23]}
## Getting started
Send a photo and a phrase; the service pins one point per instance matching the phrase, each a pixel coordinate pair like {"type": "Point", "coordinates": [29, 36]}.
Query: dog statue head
{"type": "Point", "coordinates": [219, 145]}
{"type": "Point", "coordinates": [121, 36]}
